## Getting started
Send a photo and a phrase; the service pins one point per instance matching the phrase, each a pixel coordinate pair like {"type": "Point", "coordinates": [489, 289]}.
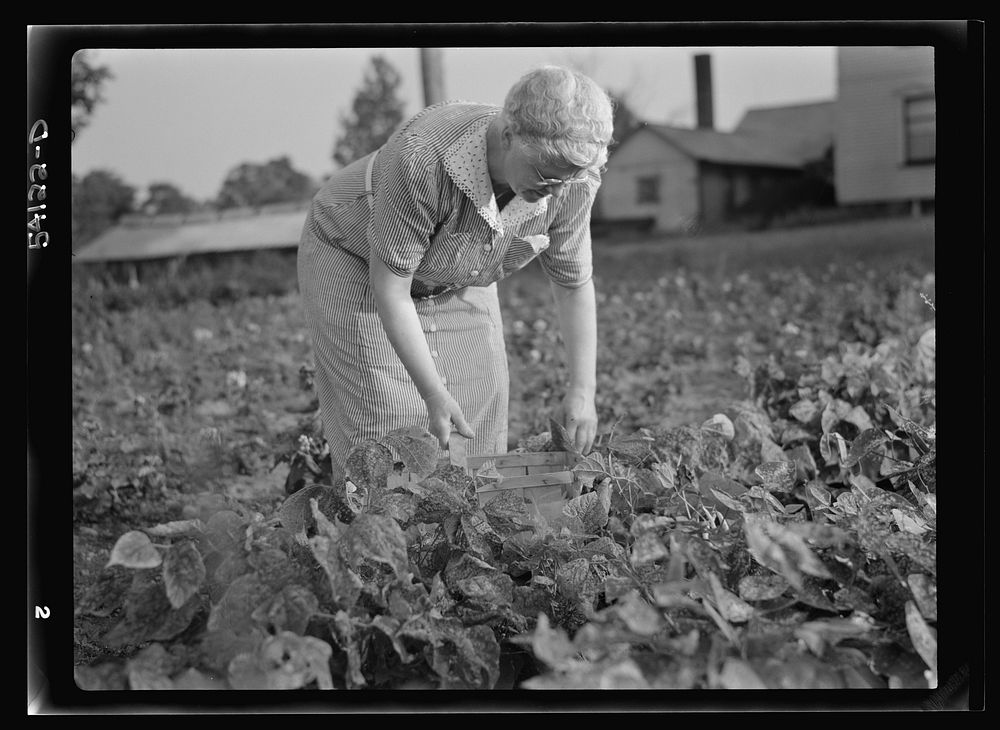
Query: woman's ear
{"type": "Point", "coordinates": [506, 137]}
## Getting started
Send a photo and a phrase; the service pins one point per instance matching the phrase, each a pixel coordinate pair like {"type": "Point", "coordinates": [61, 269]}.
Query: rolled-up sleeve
{"type": "Point", "coordinates": [405, 205]}
{"type": "Point", "coordinates": [568, 260]}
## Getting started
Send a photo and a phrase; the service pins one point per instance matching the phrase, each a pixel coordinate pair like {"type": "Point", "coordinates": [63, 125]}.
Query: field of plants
{"type": "Point", "coordinates": [759, 510]}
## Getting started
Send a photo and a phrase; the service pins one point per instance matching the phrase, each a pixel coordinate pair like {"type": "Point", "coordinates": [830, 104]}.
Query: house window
{"type": "Point", "coordinates": [919, 128]}
{"type": "Point", "coordinates": [648, 189]}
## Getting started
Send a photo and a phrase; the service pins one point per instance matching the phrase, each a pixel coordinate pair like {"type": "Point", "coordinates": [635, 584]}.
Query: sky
{"type": "Point", "coordinates": [188, 116]}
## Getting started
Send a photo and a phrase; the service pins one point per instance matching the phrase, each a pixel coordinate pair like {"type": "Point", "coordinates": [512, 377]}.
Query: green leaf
{"type": "Point", "coordinates": [467, 658]}
{"type": "Point", "coordinates": [819, 535]}
{"type": "Point", "coordinates": [631, 450]}
{"type": "Point", "coordinates": [778, 476]}
{"type": "Point", "coordinates": [180, 528]}
{"type": "Point", "coordinates": [770, 451]}
{"type": "Point", "coordinates": [795, 433]}
{"type": "Point", "coordinates": [134, 550]}
{"type": "Point", "coordinates": [762, 587]}
{"type": "Point", "coordinates": [235, 611]}
{"type": "Point", "coordinates": [717, 488]}
{"type": "Point", "coordinates": [637, 615]}
{"type": "Point", "coordinates": [345, 585]}
{"type": "Point", "coordinates": [738, 674]}
{"type": "Point", "coordinates": [108, 675]}
{"type": "Point", "coordinates": [591, 508]}
{"type": "Point", "coordinates": [479, 534]}
{"type": "Point", "coordinates": [376, 539]}
{"type": "Point", "coordinates": [576, 581]}
{"type": "Point", "coordinates": [589, 468]}
{"type": "Point", "coordinates": [284, 661]}
{"type": "Point", "coordinates": [183, 572]}
{"type": "Point", "coordinates": [390, 627]}
{"type": "Point", "coordinates": [491, 589]}
{"type": "Point", "coordinates": [400, 507]}
{"type": "Point", "coordinates": [273, 566]}
{"type": "Point", "coordinates": [859, 417]}
{"type": "Point", "coordinates": [732, 608]}
{"type": "Point", "coordinates": [811, 594]}
{"type": "Point", "coordinates": [820, 634]}
{"type": "Point", "coordinates": [804, 411]}
{"type": "Point", "coordinates": [924, 638]}
{"type": "Point", "coordinates": [440, 499]}
{"type": "Point", "coordinates": [560, 437]}
{"type": "Point", "coordinates": [246, 672]}
{"type": "Point", "coordinates": [605, 545]}
{"type": "Point", "coordinates": [552, 645]}
{"type": "Point", "coordinates": [296, 514]}
{"type": "Point", "coordinates": [835, 412]}
{"type": "Point", "coordinates": [150, 669]}
{"type": "Point", "coordinates": [345, 635]}
{"type": "Point", "coordinates": [782, 550]}
{"type": "Point", "coordinates": [833, 448]}
{"type": "Point", "coordinates": [910, 522]}
{"type": "Point", "coordinates": [868, 441]}
{"type": "Point", "coordinates": [924, 590]}
{"type": "Point", "coordinates": [752, 424]}
{"type": "Point", "coordinates": [507, 513]}
{"type": "Point", "coordinates": [106, 594]}
{"type": "Point", "coordinates": [368, 464]}
{"type": "Point", "coordinates": [226, 530]}
{"type": "Point", "coordinates": [218, 647]}
{"type": "Point", "coordinates": [290, 610]}
{"type": "Point", "coordinates": [417, 449]}
{"type": "Point", "coordinates": [720, 424]}
{"type": "Point", "coordinates": [647, 549]}
{"type": "Point", "coordinates": [820, 493]}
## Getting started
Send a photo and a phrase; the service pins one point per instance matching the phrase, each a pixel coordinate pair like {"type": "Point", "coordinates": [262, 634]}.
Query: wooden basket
{"type": "Point", "coordinates": [543, 478]}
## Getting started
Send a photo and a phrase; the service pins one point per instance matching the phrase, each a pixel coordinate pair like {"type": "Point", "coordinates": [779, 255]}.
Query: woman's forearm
{"type": "Point", "coordinates": [577, 311]}
{"type": "Point", "coordinates": [403, 328]}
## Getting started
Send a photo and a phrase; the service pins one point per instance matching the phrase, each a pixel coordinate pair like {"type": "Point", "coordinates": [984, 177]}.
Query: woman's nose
{"type": "Point", "coordinates": [556, 190]}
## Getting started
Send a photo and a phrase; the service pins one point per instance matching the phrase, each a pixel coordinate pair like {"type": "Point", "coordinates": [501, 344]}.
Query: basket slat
{"type": "Point", "coordinates": [540, 458]}
{"type": "Point", "coordinates": [532, 480]}
{"type": "Point", "coordinates": [543, 479]}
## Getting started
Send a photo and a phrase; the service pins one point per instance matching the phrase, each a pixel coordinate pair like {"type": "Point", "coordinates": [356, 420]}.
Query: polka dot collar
{"type": "Point", "coordinates": [465, 162]}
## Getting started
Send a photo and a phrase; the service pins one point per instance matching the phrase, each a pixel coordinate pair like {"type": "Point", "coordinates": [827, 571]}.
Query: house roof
{"type": "Point", "coordinates": [240, 229]}
{"type": "Point", "coordinates": [803, 130]}
{"type": "Point", "coordinates": [726, 148]}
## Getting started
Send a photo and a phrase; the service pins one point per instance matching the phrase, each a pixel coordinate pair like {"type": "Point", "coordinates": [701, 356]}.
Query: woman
{"type": "Point", "coordinates": [402, 249]}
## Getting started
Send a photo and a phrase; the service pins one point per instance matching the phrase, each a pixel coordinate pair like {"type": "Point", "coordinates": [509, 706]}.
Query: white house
{"type": "Point", "coordinates": [676, 179]}
{"type": "Point", "coordinates": [885, 125]}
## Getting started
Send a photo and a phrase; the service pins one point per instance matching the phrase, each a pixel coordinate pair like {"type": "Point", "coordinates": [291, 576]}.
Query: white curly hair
{"type": "Point", "coordinates": [563, 115]}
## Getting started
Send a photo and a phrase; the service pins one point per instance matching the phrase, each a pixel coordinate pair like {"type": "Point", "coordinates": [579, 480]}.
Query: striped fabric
{"type": "Point", "coordinates": [432, 215]}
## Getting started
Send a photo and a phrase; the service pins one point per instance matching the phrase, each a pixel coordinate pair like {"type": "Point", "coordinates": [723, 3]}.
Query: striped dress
{"type": "Point", "coordinates": [424, 205]}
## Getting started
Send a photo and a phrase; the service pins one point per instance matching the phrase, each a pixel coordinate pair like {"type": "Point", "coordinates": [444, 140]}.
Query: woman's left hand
{"type": "Point", "coordinates": [579, 416]}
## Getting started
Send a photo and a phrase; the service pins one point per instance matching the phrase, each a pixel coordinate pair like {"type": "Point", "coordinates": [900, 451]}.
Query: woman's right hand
{"type": "Point", "coordinates": [443, 411]}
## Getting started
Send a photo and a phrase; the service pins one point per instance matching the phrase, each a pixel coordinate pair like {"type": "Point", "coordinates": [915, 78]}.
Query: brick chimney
{"type": "Point", "coordinates": [703, 90]}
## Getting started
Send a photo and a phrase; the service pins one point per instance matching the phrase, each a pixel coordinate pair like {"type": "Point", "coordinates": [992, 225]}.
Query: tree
{"type": "Point", "coordinates": [99, 200]}
{"type": "Point", "coordinates": [86, 84]}
{"type": "Point", "coordinates": [375, 113]}
{"type": "Point", "coordinates": [164, 197]}
{"type": "Point", "coordinates": [252, 184]}
{"type": "Point", "coordinates": [625, 120]}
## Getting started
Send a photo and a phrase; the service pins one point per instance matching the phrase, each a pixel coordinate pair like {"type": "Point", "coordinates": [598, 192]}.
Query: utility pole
{"type": "Point", "coordinates": [432, 72]}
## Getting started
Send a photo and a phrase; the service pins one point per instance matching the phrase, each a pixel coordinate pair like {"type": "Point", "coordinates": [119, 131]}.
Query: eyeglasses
{"type": "Point", "coordinates": [555, 182]}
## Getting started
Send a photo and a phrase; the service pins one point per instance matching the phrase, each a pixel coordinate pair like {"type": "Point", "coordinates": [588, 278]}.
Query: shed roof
{"type": "Point", "coordinates": [241, 229]}
{"type": "Point", "coordinates": [804, 130]}
{"type": "Point", "coordinates": [727, 148]}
